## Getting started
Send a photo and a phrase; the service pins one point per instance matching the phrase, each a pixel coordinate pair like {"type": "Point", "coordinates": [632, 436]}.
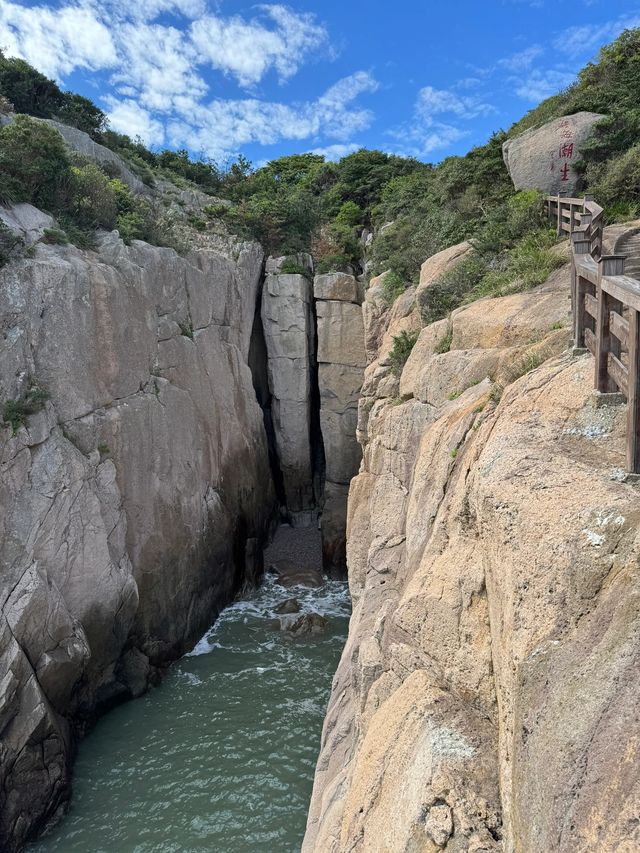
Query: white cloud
{"type": "Point", "coordinates": [539, 85]}
{"type": "Point", "coordinates": [223, 126]}
{"type": "Point", "coordinates": [159, 62]}
{"type": "Point", "coordinates": [428, 132]}
{"type": "Point", "coordinates": [90, 34]}
{"type": "Point", "coordinates": [432, 102]}
{"type": "Point", "coordinates": [585, 40]}
{"type": "Point", "coordinates": [337, 151]}
{"type": "Point", "coordinates": [157, 69]}
{"type": "Point", "coordinates": [57, 41]}
{"type": "Point", "coordinates": [130, 118]}
{"type": "Point", "coordinates": [522, 60]}
{"type": "Point", "coordinates": [416, 140]}
{"type": "Point", "coordinates": [248, 49]}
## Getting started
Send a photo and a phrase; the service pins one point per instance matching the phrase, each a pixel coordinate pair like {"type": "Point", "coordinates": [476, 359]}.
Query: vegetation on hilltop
{"type": "Point", "coordinates": [303, 203]}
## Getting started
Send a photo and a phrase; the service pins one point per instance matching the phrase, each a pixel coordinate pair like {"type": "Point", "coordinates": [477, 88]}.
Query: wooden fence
{"type": "Point", "coordinates": [605, 306]}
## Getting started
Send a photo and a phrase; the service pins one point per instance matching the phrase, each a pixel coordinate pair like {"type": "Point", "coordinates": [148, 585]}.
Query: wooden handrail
{"type": "Point", "coordinates": [605, 307]}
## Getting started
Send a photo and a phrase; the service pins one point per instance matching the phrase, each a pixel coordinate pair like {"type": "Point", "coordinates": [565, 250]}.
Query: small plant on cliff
{"type": "Point", "coordinates": [55, 236]}
{"type": "Point", "coordinates": [16, 412]}
{"type": "Point", "coordinates": [186, 329]}
{"type": "Point", "coordinates": [290, 267]}
{"type": "Point", "coordinates": [401, 350]}
{"type": "Point", "coordinates": [444, 344]}
{"type": "Point", "coordinates": [393, 285]}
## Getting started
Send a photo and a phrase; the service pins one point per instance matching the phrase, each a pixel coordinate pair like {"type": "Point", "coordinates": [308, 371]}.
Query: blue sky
{"type": "Point", "coordinates": [425, 79]}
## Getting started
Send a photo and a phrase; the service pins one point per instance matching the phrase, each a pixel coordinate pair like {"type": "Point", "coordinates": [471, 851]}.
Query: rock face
{"type": "Point", "coordinates": [289, 332]}
{"type": "Point", "coordinates": [544, 158]}
{"type": "Point", "coordinates": [341, 362]}
{"type": "Point", "coordinates": [134, 502]}
{"type": "Point", "coordinates": [487, 696]}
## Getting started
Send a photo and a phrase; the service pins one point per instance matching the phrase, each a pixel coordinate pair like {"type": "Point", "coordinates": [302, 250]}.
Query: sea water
{"type": "Point", "coordinates": [220, 757]}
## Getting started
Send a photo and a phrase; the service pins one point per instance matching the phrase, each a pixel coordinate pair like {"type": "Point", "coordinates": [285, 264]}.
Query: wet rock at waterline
{"type": "Point", "coordinates": [291, 605]}
{"type": "Point", "coordinates": [305, 624]}
{"type": "Point", "coordinates": [289, 573]}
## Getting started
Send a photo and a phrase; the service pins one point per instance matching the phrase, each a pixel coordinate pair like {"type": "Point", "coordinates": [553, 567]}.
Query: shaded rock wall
{"type": "Point", "coordinates": [289, 331]}
{"type": "Point", "coordinates": [493, 554]}
{"type": "Point", "coordinates": [134, 503]}
{"type": "Point", "coordinates": [341, 362]}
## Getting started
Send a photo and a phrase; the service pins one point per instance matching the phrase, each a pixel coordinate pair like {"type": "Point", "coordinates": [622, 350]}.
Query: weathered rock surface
{"type": "Point", "coordinates": [337, 285]}
{"type": "Point", "coordinates": [289, 333]}
{"type": "Point", "coordinates": [341, 362]}
{"type": "Point", "coordinates": [487, 696]}
{"type": "Point", "coordinates": [290, 573]}
{"type": "Point", "coordinates": [544, 158]}
{"type": "Point", "coordinates": [304, 625]}
{"type": "Point", "coordinates": [26, 221]}
{"type": "Point", "coordinates": [134, 503]}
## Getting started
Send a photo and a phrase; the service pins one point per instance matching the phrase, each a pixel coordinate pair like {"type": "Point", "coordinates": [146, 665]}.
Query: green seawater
{"type": "Point", "coordinates": [220, 757]}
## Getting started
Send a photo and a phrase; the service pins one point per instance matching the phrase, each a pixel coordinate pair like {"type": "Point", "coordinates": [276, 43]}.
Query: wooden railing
{"type": "Point", "coordinates": [605, 306]}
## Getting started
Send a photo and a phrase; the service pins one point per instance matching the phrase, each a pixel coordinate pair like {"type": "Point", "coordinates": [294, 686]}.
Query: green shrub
{"type": "Point", "coordinates": [55, 236]}
{"type": "Point", "coordinates": [529, 263]}
{"type": "Point", "coordinates": [615, 183]}
{"type": "Point", "coordinates": [290, 267]}
{"type": "Point", "coordinates": [401, 350]}
{"type": "Point", "coordinates": [80, 112]}
{"type": "Point", "coordinates": [449, 291]}
{"type": "Point", "coordinates": [186, 329]}
{"type": "Point", "coordinates": [28, 90]}
{"type": "Point", "coordinates": [131, 226]}
{"type": "Point", "coordinates": [216, 211]}
{"type": "Point", "coordinates": [83, 238]}
{"type": "Point", "coordinates": [16, 412]}
{"type": "Point", "coordinates": [393, 285]}
{"type": "Point", "coordinates": [334, 263]}
{"type": "Point", "coordinates": [34, 164]}
{"type": "Point", "coordinates": [93, 201]}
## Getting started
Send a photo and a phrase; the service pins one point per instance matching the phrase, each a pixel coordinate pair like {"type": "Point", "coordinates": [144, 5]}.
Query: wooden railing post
{"type": "Point", "coordinates": [633, 395]}
{"type": "Point", "coordinates": [559, 223]}
{"type": "Point", "coordinates": [580, 246]}
{"type": "Point", "coordinates": [608, 265]}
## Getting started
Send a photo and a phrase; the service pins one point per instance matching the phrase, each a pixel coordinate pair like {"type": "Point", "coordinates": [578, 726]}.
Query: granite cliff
{"type": "Point", "coordinates": [136, 500]}
{"type": "Point", "coordinates": [486, 699]}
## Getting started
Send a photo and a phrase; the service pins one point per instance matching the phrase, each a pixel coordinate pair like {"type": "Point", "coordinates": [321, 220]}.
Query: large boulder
{"type": "Point", "coordinates": [544, 158]}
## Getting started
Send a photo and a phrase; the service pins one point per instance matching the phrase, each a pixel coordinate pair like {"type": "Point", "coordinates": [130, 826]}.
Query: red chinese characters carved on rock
{"type": "Point", "coordinates": [566, 149]}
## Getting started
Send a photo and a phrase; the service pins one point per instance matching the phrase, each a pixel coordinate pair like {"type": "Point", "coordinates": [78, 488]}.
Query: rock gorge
{"type": "Point", "coordinates": [487, 695]}
{"type": "Point", "coordinates": [182, 408]}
